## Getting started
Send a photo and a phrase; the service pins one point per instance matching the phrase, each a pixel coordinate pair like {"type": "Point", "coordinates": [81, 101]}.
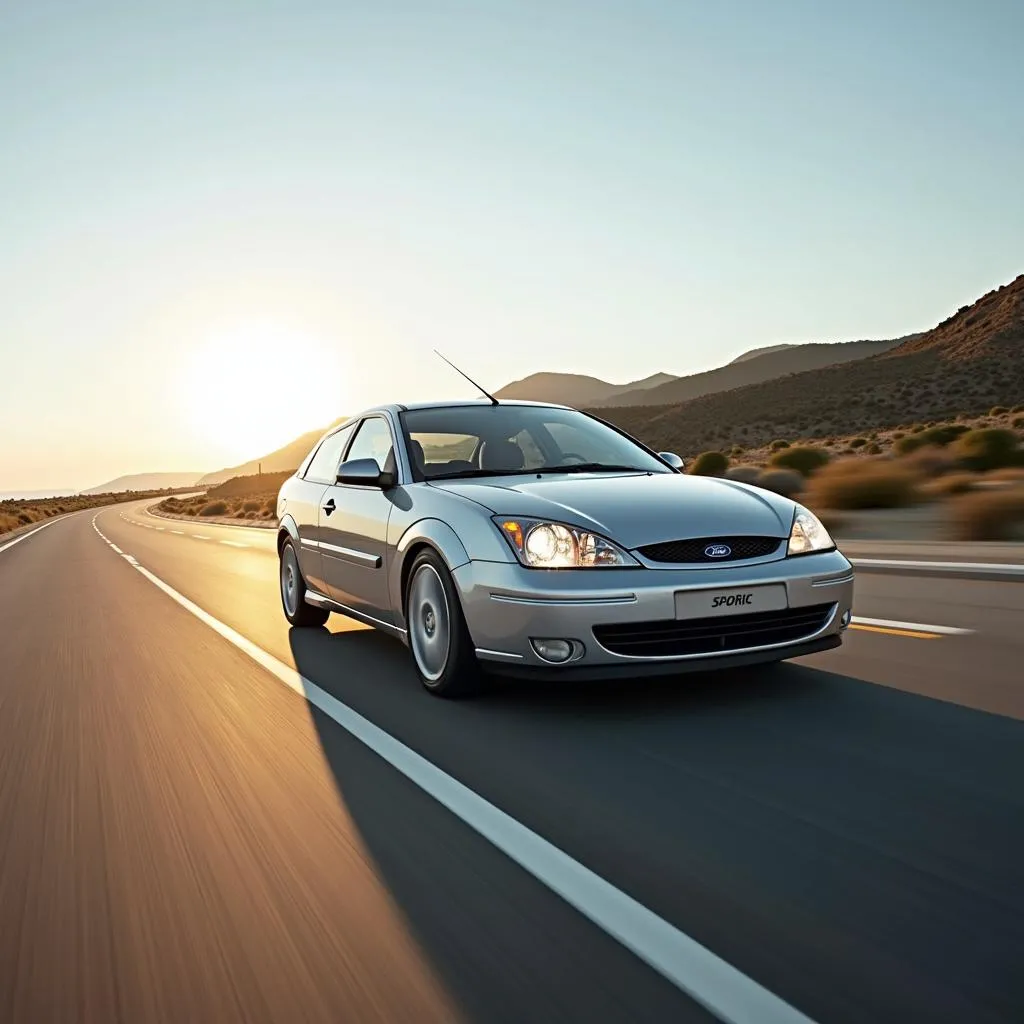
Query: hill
{"type": "Point", "coordinates": [281, 460]}
{"type": "Point", "coordinates": [574, 389]}
{"type": "Point", "coordinates": [755, 352]}
{"type": "Point", "coordinates": [968, 364]}
{"type": "Point", "coordinates": [751, 368]}
{"type": "Point", "coordinates": [146, 482]}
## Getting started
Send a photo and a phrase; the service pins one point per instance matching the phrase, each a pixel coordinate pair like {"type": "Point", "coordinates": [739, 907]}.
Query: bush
{"type": "Point", "coordinates": [214, 508]}
{"type": "Point", "coordinates": [944, 433]}
{"type": "Point", "coordinates": [1017, 408]}
{"type": "Point", "coordinates": [910, 443]}
{"type": "Point", "coordinates": [1018, 423]}
{"type": "Point", "coordinates": [858, 442]}
{"type": "Point", "coordinates": [745, 474]}
{"type": "Point", "coordinates": [992, 448]}
{"type": "Point", "coordinates": [952, 483]}
{"type": "Point", "coordinates": [250, 506]}
{"type": "Point", "coordinates": [874, 448]}
{"type": "Point", "coordinates": [998, 410]}
{"type": "Point", "coordinates": [787, 482]}
{"type": "Point", "coordinates": [897, 435]}
{"type": "Point", "coordinates": [710, 464]}
{"type": "Point", "coordinates": [862, 484]}
{"type": "Point", "coordinates": [997, 515]}
{"type": "Point", "coordinates": [803, 460]}
{"type": "Point", "coordinates": [917, 428]}
{"type": "Point", "coordinates": [779, 444]}
{"type": "Point", "coordinates": [929, 461]}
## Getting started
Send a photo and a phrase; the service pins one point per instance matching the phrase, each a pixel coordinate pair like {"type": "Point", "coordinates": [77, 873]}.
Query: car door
{"type": "Point", "coordinates": [305, 504]}
{"type": "Point", "coordinates": [354, 528]}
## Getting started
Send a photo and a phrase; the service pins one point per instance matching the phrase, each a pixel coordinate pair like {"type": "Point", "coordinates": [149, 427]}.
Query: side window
{"type": "Point", "coordinates": [323, 468]}
{"type": "Point", "coordinates": [572, 441]}
{"type": "Point", "coordinates": [533, 457]}
{"type": "Point", "coordinates": [373, 441]}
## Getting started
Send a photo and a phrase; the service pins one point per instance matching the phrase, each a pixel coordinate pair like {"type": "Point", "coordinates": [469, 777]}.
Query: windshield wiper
{"type": "Point", "coordinates": [469, 474]}
{"type": "Point", "coordinates": [591, 467]}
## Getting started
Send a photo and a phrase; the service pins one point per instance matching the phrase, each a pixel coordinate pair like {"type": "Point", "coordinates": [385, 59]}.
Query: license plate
{"type": "Point", "coordinates": [701, 604]}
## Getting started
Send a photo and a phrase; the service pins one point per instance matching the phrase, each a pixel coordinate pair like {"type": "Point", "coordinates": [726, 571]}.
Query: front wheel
{"type": "Point", "coordinates": [293, 592]}
{"type": "Point", "coordinates": [438, 637]}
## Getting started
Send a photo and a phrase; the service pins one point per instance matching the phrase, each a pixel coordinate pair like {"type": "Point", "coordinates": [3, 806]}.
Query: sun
{"type": "Point", "coordinates": [251, 389]}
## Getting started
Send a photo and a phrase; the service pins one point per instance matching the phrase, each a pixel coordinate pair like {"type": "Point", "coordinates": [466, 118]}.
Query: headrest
{"type": "Point", "coordinates": [501, 455]}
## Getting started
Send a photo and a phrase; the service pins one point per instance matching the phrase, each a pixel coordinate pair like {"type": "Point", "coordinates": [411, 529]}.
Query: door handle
{"type": "Point", "coordinates": [330, 506]}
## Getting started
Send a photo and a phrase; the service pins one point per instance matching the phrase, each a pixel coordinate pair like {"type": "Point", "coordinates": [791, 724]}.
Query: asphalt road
{"type": "Point", "coordinates": [184, 838]}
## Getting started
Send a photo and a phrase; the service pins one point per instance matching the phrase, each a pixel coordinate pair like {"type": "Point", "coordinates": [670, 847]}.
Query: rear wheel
{"type": "Point", "coordinates": [293, 592]}
{"type": "Point", "coordinates": [442, 650]}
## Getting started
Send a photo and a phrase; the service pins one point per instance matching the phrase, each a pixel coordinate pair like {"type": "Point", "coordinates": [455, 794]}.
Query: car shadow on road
{"type": "Point", "coordinates": [664, 786]}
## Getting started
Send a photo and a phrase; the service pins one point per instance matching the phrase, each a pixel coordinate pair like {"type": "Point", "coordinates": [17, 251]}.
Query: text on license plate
{"type": "Point", "coordinates": [699, 604]}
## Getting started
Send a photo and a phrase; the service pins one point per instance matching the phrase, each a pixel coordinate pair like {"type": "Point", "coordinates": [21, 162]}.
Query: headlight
{"type": "Point", "coordinates": [807, 534]}
{"type": "Point", "coordinates": [543, 545]}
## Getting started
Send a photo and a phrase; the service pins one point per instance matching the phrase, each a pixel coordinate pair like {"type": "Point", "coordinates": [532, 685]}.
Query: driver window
{"type": "Point", "coordinates": [372, 441]}
{"type": "Point", "coordinates": [571, 441]}
{"type": "Point", "coordinates": [533, 457]}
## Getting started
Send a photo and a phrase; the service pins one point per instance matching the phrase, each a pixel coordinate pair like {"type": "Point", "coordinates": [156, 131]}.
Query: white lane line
{"type": "Point", "coordinates": [233, 544]}
{"type": "Point", "coordinates": [25, 536]}
{"type": "Point", "coordinates": [916, 627]}
{"type": "Point", "coordinates": [180, 533]}
{"type": "Point", "coordinates": [728, 993]}
{"type": "Point", "coordinates": [198, 536]}
{"type": "Point", "coordinates": [1003, 568]}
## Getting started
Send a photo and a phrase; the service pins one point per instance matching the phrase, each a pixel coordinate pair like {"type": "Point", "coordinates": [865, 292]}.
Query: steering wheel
{"type": "Point", "coordinates": [573, 455]}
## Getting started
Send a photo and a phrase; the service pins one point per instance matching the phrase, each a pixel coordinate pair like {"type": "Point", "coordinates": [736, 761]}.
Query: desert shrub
{"type": "Point", "coordinates": [862, 484]}
{"type": "Point", "coordinates": [737, 450]}
{"type": "Point", "coordinates": [1018, 423]}
{"type": "Point", "coordinates": [897, 434]}
{"type": "Point", "coordinates": [266, 513]}
{"type": "Point", "coordinates": [787, 482]}
{"type": "Point", "coordinates": [929, 461]}
{"type": "Point", "coordinates": [910, 443]}
{"type": "Point", "coordinates": [250, 506]}
{"type": "Point", "coordinates": [858, 442]}
{"type": "Point", "coordinates": [874, 448]}
{"type": "Point", "coordinates": [777, 445]}
{"type": "Point", "coordinates": [998, 410]}
{"type": "Point", "coordinates": [944, 433]}
{"type": "Point", "coordinates": [917, 428]}
{"type": "Point", "coordinates": [803, 460]}
{"type": "Point", "coordinates": [745, 474]}
{"type": "Point", "coordinates": [214, 508]}
{"type": "Point", "coordinates": [1017, 408]}
{"type": "Point", "coordinates": [996, 515]}
{"type": "Point", "coordinates": [951, 483]}
{"type": "Point", "coordinates": [710, 464]}
{"type": "Point", "coordinates": [991, 448]}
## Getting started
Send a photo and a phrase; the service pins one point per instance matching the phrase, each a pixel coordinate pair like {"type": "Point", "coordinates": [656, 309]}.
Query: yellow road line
{"type": "Point", "coordinates": [917, 635]}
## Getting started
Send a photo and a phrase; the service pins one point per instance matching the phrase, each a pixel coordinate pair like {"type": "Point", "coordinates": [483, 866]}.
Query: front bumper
{"type": "Point", "coordinates": [506, 605]}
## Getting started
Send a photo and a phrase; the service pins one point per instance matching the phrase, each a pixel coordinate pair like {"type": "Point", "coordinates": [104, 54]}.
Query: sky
{"type": "Point", "coordinates": [223, 223]}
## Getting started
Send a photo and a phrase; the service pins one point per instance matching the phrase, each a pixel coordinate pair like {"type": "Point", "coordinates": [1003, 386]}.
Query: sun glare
{"type": "Point", "coordinates": [251, 390]}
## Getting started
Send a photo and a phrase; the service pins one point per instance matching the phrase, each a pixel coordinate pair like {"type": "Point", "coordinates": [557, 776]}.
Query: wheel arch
{"type": "Point", "coordinates": [432, 534]}
{"type": "Point", "coordinates": [286, 529]}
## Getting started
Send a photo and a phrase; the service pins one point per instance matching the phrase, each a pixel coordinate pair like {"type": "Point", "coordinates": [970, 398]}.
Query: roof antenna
{"type": "Point", "coordinates": [486, 394]}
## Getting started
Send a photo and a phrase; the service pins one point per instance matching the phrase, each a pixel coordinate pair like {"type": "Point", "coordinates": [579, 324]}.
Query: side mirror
{"type": "Point", "coordinates": [672, 459]}
{"type": "Point", "coordinates": [363, 473]}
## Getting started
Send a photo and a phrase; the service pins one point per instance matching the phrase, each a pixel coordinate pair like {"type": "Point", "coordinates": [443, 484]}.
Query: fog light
{"type": "Point", "coordinates": [846, 617]}
{"type": "Point", "coordinates": [555, 651]}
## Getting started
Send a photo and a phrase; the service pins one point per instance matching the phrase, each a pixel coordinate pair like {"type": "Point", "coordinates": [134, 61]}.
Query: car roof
{"type": "Point", "coordinates": [459, 404]}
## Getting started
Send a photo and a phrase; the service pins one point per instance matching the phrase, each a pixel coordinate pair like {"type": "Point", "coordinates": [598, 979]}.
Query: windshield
{"type": "Point", "coordinates": [463, 441]}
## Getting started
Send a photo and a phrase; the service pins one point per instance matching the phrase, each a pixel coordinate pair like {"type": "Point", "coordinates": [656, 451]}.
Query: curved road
{"type": "Point", "coordinates": [185, 838]}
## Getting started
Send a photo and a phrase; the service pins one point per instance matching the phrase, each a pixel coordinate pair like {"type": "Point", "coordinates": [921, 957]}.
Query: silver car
{"type": "Point", "coordinates": [521, 537]}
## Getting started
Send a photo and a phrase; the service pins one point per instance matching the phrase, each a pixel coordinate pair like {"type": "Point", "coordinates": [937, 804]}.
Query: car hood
{"type": "Point", "coordinates": [636, 509]}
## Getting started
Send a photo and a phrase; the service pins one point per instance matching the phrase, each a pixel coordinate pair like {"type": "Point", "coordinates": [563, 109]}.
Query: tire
{"type": "Point", "coordinates": [293, 591]}
{"type": "Point", "coordinates": [442, 651]}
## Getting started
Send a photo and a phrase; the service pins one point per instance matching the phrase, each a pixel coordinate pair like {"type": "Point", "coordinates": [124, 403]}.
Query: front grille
{"type": "Point", "coordinates": [693, 551]}
{"type": "Point", "coordinates": [678, 637]}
